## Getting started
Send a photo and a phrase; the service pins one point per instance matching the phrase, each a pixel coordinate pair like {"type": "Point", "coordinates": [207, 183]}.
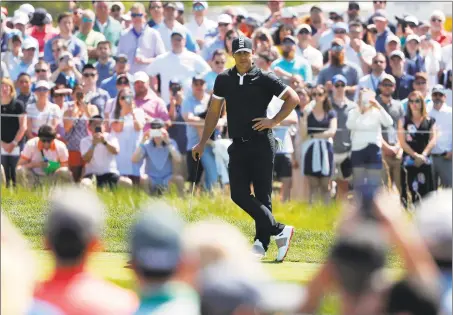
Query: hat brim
{"type": "Point", "coordinates": [380, 18]}
{"type": "Point", "coordinates": [438, 91]}
{"type": "Point", "coordinates": [243, 49]}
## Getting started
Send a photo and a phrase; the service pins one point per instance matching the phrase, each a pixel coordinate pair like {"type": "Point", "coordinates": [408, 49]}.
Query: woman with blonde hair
{"type": "Point", "coordinates": [13, 129]}
{"type": "Point", "coordinates": [127, 126]}
{"type": "Point", "coordinates": [417, 136]}
{"type": "Point", "coordinates": [263, 42]}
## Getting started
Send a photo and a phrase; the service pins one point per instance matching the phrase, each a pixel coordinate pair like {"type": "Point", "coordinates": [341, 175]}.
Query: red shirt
{"type": "Point", "coordinates": [444, 38]}
{"type": "Point", "coordinates": [42, 37]}
{"type": "Point", "coordinates": [78, 292]}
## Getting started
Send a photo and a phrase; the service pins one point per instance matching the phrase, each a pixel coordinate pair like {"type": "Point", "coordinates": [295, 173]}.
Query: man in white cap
{"type": "Point", "coordinates": [404, 81]}
{"type": "Point", "coordinates": [442, 151]}
{"type": "Point", "coordinates": [200, 25]}
{"type": "Point", "coordinates": [169, 24]}
{"type": "Point", "coordinates": [306, 50]}
{"type": "Point", "coordinates": [20, 23]}
{"type": "Point", "coordinates": [380, 19]}
{"type": "Point", "coordinates": [438, 32]}
{"type": "Point", "coordinates": [178, 63]}
{"type": "Point", "coordinates": [27, 9]}
{"type": "Point", "coordinates": [27, 61]}
{"type": "Point", "coordinates": [224, 24]}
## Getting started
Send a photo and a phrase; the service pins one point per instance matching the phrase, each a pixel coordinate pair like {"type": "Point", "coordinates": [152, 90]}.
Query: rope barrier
{"type": "Point", "coordinates": [202, 124]}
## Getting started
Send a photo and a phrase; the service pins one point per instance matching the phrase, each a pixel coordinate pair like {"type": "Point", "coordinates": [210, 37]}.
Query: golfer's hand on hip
{"type": "Point", "coordinates": [197, 151]}
{"type": "Point", "coordinates": [263, 123]}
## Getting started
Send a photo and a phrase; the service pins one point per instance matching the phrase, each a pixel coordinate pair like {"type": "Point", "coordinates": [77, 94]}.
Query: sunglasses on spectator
{"type": "Point", "coordinates": [377, 62]}
{"type": "Point", "coordinates": [223, 24]}
{"type": "Point", "coordinates": [416, 101]}
{"type": "Point", "coordinates": [219, 62]}
{"type": "Point", "coordinates": [388, 84]}
{"type": "Point", "coordinates": [420, 82]}
{"type": "Point", "coordinates": [123, 82]}
{"type": "Point", "coordinates": [336, 48]}
{"type": "Point", "coordinates": [437, 94]}
{"type": "Point", "coordinates": [87, 20]}
{"type": "Point", "coordinates": [135, 15]}
{"type": "Point", "coordinates": [340, 85]}
{"type": "Point", "coordinates": [40, 70]}
{"type": "Point", "coordinates": [339, 32]}
{"type": "Point", "coordinates": [87, 75]}
{"type": "Point", "coordinates": [198, 8]}
{"type": "Point", "coordinates": [41, 89]}
{"type": "Point", "coordinates": [46, 140]}
{"type": "Point", "coordinates": [436, 20]}
{"type": "Point", "coordinates": [156, 7]}
{"type": "Point", "coordinates": [60, 95]}
{"type": "Point", "coordinates": [373, 31]}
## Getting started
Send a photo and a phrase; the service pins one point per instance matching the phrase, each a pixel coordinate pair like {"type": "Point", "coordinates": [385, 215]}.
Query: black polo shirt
{"type": "Point", "coordinates": [247, 97]}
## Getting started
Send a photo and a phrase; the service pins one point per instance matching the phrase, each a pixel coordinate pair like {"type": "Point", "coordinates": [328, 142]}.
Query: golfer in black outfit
{"type": "Point", "coordinates": [247, 92]}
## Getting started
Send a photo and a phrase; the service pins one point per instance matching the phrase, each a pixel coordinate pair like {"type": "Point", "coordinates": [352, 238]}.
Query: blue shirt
{"type": "Point", "coordinates": [105, 70]}
{"type": "Point", "coordinates": [210, 79]}
{"type": "Point", "coordinates": [22, 67]}
{"type": "Point", "coordinates": [158, 165]}
{"type": "Point", "coordinates": [296, 66]}
{"type": "Point", "coordinates": [380, 41]}
{"type": "Point", "coordinates": [403, 86]}
{"type": "Point", "coordinates": [210, 47]}
{"type": "Point", "coordinates": [412, 66]}
{"type": "Point", "coordinates": [192, 105]}
{"type": "Point", "coordinates": [109, 84]}
{"type": "Point", "coordinates": [75, 46]}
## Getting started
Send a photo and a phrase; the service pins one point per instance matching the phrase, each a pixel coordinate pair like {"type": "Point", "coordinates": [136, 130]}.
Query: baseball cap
{"type": "Point", "coordinates": [392, 38]}
{"type": "Point", "coordinates": [340, 26]}
{"type": "Point", "coordinates": [397, 53]}
{"type": "Point", "coordinates": [40, 17]}
{"type": "Point", "coordinates": [27, 9]}
{"type": "Point", "coordinates": [121, 56]}
{"type": "Point", "coordinates": [438, 88]}
{"type": "Point", "coordinates": [339, 78]}
{"type": "Point", "coordinates": [380, 15]}
{"type": "Point", "coordinates": [411, 19]}
{"type": "Point", "coordinates": [288, 13]}
{"type": "Point", "coordinates": [242, 43]}
{"type": "Point", "coordinates": [289, 39]}
{"type": "Point", "coordinates": [156, 242]}
{"type": "Point", "coordinates": [198, 77]}
{"type": "Point", "coordinates": [75, 210]}
{"type": "Point", "coordinates": [304, 27]}
{"type": "Point", "coordinates": [203, 3]}
{"type": "Point", "coordinates": [174, 81]}
{"type": "Point", "coordinates": [20, 18]}
{"type": "Point", "coordinates": [179, 31]}
{"type": "Point", "coordinates": [353, 6]}
{"type": "Point", "coordinates": [42, 84]}
{"type": "Point", "coordinates": [224, 289]}
{"type": "Point", "coordinates": [27, 44]}
{"type": "Point", "coordinates": [388, 77]}
{"type": "Point", "coordinates": [439, 14]}
{"type": "Point", "coordinates": [421, 75]}
{"type": "Point", "coordinates": [224, 18]}
{"type": "Point", "coordinates": [180, 6]}
{"type": "Point", "coordinates": [413, 37]}
{"type": "Point", "coordinates": [170, 5]}
{"type": "Point", "coordinates": [141, 76]}
{"type": "Point", "coordinates": [434, 221]}
{"type": "Point", "coordinates": [315, 8]}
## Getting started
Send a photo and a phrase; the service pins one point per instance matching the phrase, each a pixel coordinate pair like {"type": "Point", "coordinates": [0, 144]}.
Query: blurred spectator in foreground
{"type": "Point", "coordinates": [166, 272]}
{"type": "Point", "coordinates": [200, 24]}
{"type": "Point", "coordinates": [417, 136]}
{"type": "Point", "coordinates": [391, 148]}
{"type": "Point", "coordinates": [105, 24]}
{"type": "Point", "coordinates": [339, 65]}
{"type": "Point", "coordinates": [318, 126]}
{"type": "Point", "coordinates": [44, 158]}
{"type": "Point", "coordinates": [121, 68]}
{"type": "Point", "coordinates": [160, 154]}
{"type": "Point", "coordinates": [433, 219]}
{"type": "Point", "coordinates": [43, 112]}
{"type": "Point", "coordinates": [73, 231]}
{"type": "Point", "coordinates": [442, 151]}
{"type": "Point", "coordinates": [140, 44]}
{"type": "Point", "coordinates": [438, 33]}
{"type": "Point", "coordinates": [105, 64]}
{"type": "Point", "coordinates": [90, 37]}
{"type": "Point", "coordinates": [342, 140]}
{"type": "Point", "coordinates": [25, 94]}
{"type": "Point", "coordinates": [99, 150]}
{"type": "Point", "coordinates": [12, 130]}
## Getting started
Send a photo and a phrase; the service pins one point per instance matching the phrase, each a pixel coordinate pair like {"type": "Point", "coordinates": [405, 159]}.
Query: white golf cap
{"type": "Point", "coordinates": [304, 27]}
{"type": "Point", "coordinates": [439, 14]}
{"type": "Point", "coordinates": [26, 8]}
{"type": "Point", "coordinates": [203, 3]}
{"type": "Point", "coordinates": [397, 53]}
{"type": "Point", "coordinates": [413, 37]}
{"type": "Point", "coordinates": [42, 83]}
{"type": "Point", "coordinates": [140, 76]}
{"type": "Point", "coordinates": [392, 38]}
{"type": "Point", "coordinates": [388, 77]}
{"type": "Point", "coordinates": [27, 44]}
{"type": "Point", "coordinates": [20, 18]}
{"type": "Point", "coordinates": [224, 18]}
{"type": "Point", "coordinates": [411, 19]}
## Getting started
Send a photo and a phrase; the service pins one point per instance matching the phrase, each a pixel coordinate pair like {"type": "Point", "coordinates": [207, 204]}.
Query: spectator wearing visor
{"type": "Point", "coordinates": [105, 64]}
{"type": "Point", "coordinates": [121, 69]}
{"type": "Point", "coordinates": [290, 64]}
{"type": "Point", "coordinates": [99, 150]}
{"type": "Point", "coordinates": [43, 160]}
{"type": "Point", "coordinates": [159, 260]}
{"type": "Point", "coordinates": [306, 50]}
{"type": "Point", "coordinates": [140, 44]}
{"type": "Point", "coordinates": [357, 51]}
{"type": "Point", "coordinates": [200, 25]}
{"type": "Point", "coordinates": [442, 151]}
{"type": "Point", "coordinates": [404, 81]}
{"type": "Point", "coordinates": [170, 24]}
{"type": "Point", "coordinates": [73, 230]}
{"type": "Point", "coordinates": [160, 153]}
{"type": "Point", "coordinates": [338, 65]}
{"type": "Point", "coordinates": [177, 63]}
{"type": "Point", "coordinates": [90, 37]}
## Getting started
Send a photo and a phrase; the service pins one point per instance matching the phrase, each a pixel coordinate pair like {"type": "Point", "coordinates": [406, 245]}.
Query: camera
{"type": "Point", "coordinates": [175, 88]}
{"type": "Point", "coordinates": [98, 129]}
{"type": "Point", "coordinates": [156, 126]}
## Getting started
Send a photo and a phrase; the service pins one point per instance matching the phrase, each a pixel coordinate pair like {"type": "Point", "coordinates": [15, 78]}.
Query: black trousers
{"type": "Point", "coordinates": [9, 163]}
{"type": "Point", "coordinates": [252, 162]}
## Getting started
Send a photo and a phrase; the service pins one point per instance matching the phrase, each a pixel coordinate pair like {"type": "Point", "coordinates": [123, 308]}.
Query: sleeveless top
{"type": "Point", "coordinates": [418, 138]}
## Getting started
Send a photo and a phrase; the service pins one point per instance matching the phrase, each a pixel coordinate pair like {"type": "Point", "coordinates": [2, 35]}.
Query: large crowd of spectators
{"type": "Point", "coordinates": [101, 96]}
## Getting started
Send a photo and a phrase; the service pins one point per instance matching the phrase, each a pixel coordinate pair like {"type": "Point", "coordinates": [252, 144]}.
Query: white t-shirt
{"type": "Point", "coordinates": [58, 152]}
{"type": "Point", "coordinates": [103, 161]}
{"type": "Point", "coordinates": [368, 52]}
{"type": "Point", "coordinates": [313, 55]}
{"type": "Point", "coordinates": [281, 132]}
{"type": "Point", "coordinates": [200, 31]}
{"type": "Point", "coordinates": [183, 66]}
{"type": "Point", "coordinates": [443, 119]}
{"type": "Point", "coordinates": [39, 118]}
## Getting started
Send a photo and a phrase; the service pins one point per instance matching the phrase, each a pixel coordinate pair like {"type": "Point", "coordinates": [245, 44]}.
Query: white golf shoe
{"type": "Point", "coordinates": [283, 241]}
{"type": "Point", "coordinates": [258, 250]}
